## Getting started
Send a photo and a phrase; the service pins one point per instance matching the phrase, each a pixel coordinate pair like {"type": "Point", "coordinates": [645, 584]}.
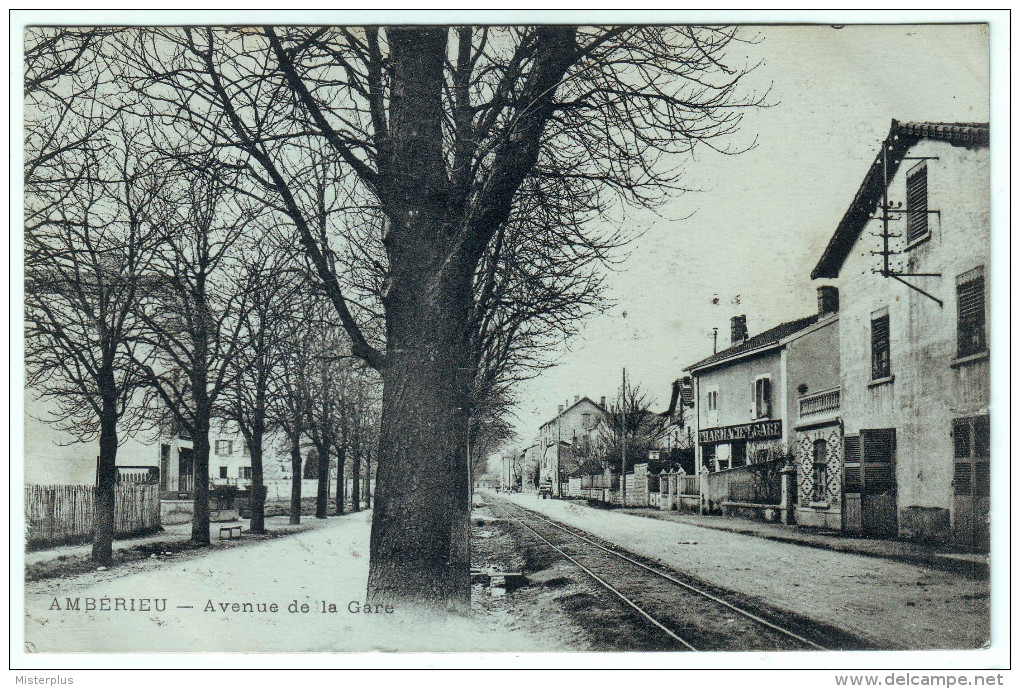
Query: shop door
{"type": "Point", "coordinates": [878, 493]}
{"type": "Point", "coordinates": [971, 482]}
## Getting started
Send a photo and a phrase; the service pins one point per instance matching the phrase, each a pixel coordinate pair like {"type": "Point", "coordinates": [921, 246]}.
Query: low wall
{"type": "Point", "coordinates": [176, 511]}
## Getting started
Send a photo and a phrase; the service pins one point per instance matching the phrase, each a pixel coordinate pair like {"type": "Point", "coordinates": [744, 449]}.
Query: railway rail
{"type": "Point", "coordinates": [691, 617]}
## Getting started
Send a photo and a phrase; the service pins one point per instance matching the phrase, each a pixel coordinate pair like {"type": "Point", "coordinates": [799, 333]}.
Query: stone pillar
{"type": "Point", "coordinates": [789, 499]}
{"type": "Point", "coordinates": [702, 481]}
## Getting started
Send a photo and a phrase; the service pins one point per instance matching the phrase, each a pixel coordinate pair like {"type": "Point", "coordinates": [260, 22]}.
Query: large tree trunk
{"type": "Point", "coordinates": [419, 547]}
{"type": "Point", "coordinates": [420, 550]}
{"type": "Point", "coordinates": [258, 486]}
{"type": "Point", "coordinates": [200, 455]}
{"type": "Point", "coordinates": [106, 484]}
{"type": "Point", "coordinates": [295, 484]}
{"type": "Point", "coordinates": [322, 484]}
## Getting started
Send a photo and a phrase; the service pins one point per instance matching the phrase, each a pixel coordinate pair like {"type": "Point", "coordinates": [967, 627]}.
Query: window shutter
{"type": "Point", "coordinates": [880, 347]}
{"type": "Point", "coordinates": [852, 464]}
{"type": "Point", "coordinates": [917, 204]}
{"type": "Point", "coordinates": [766, 396]}
{"type": "Point", "coordinates": [970, 312]}
{"type": "Point", "coordinates": [878, 448]}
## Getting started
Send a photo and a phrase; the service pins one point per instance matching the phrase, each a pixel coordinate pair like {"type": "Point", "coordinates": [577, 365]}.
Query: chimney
{"type": "Point", "coordinates": [577, 398]}
{"type": "Point", "coordinates": [738, 330]}
{"type": "Point", "coordinates": [828, 301]}
{"type": "Point", "coordinates": [602, 402]}
{"type": "Point", "coordinates": [559, 409]}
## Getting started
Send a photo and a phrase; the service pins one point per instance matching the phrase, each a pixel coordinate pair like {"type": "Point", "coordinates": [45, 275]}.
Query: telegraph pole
{"type": "Point", "coordinates": [623, 442]}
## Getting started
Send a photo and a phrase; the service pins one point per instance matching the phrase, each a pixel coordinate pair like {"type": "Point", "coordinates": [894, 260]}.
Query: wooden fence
{"type": "Point", "coordinates": [60, 514]}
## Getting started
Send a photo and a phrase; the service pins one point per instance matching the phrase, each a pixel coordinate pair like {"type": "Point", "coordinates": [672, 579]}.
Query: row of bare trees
{"type": "Point", "coordinates": [160, 298]}
{"type": "Point", "coordinates": [455, 191]}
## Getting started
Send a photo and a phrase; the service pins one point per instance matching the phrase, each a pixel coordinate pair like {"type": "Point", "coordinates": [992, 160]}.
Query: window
{"type": "Point", "coordinates": [852, 480]}
{"type": "Point", "coordinates": [972, 452]}
{"type": "Point", "coordinates": [878, 455]}
{"type": "Point", "coordinates": [970, 312]}
{"type": "Point", "coordinates": [223, 472]}
{"type": "Point", "coordinates": [880, 365]}
{"type": "Point", "coordinates": [708, 457]}
{"type": "Point", "coordinates": [820, 471]}
{"type": "Point", "coordinates": [713, 400]}
{"type": "Point", "coordinates": [917, 203]}
{"type": "Point", "coordinates": [224, 448]}
{"type": "Point", "coordinates": [244, 472]}
{"type": "Point", "coordinates": [762, 398]}
{"type": "Point", "coordinates": [586, 421]}
{"type": "Point", "coordinates": [244, 448]}
{"type": "Point", "coordinates": [738, 454]}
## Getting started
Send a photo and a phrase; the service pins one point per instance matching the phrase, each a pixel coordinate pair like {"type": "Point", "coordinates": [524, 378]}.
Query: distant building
{"type": "Point", "coordinates": [744, 405]}
{"type": "Point", "coordinates": [911, 254]}
{"type": "Point", "coordinates": [564, 437]}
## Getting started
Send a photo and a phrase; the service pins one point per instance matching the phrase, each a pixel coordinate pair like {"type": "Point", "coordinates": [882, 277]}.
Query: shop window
{"type": "Point", "coordinates": [917, 203]}
{"type": "Point", "coordinates": [970, 312]}
{"type": "Point", "coordinates": [708, 457]}
{"type": "Point", "coordinates": [880, 364]}
{"type": "Point", "coordinates": [820, 470]}
{"type": "Point", "coordinates": [762, 398]}
{"type": "Point", "coordinates": [738, 454]}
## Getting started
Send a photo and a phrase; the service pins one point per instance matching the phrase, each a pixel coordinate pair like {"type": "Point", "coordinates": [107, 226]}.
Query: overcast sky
{"type": "Point", "coordinates": [762, 218]}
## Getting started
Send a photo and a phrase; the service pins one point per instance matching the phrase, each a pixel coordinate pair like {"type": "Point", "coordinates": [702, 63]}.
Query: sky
{"type": "Point", "coordinates": [759, 221]}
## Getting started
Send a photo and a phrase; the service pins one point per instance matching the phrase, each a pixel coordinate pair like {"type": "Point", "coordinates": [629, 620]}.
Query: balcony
{"type": "Point", "coordinates": [819, 403]}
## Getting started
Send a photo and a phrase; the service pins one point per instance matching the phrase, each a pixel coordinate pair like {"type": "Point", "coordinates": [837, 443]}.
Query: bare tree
{"type": "Point", "coordinates": [195, 319]}
{"type": "Point", "coordinates": [628, 429]}
{"type": "Point", "coordinates": [86, 263]}
{"type": "Point", "coordinates": [269, 279]}
{"type": "Point", "coordinates": [460, 140]}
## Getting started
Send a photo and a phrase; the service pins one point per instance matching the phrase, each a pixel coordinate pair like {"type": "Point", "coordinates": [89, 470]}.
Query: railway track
{"type": "Point", "coordinates": [693, 618]}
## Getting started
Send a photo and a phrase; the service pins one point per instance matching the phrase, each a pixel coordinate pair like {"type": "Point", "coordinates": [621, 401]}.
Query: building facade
{"type": "Point", "coordinates": [912, 256]}
{"type": "Point", "coordinates": [563, 437]}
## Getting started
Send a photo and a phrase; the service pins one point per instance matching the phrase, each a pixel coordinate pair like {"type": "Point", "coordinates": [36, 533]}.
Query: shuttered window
{"type": "Point", "coordinates": [917, 203]}
{"type": "Point", "coordinates": [970, 312]}
{"type": "Point", "coordinates": [880, 364]}
{"type": "Point", "coordinates": [852, 482]}
{"type": "Point", "coordinates": [972, 450]}
{"type": "Point", "coordinates": [763, 398]}
{"type": "Point", "coordinates": [878, 455]}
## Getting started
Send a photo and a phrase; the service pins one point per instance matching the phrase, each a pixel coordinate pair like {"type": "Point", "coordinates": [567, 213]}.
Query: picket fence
{"type": "Point", "coordinates": [59, 514]}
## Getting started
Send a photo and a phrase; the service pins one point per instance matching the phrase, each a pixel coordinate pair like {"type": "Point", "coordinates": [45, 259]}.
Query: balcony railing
{"type": "Point", "coordinates": [823, 402]}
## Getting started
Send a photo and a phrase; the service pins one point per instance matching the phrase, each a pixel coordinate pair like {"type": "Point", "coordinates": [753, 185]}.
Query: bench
{"type": "Point", "coordinates": [229, 532]}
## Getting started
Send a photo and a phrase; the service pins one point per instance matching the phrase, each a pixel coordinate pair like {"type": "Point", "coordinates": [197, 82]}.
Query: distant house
{"type": "Point", "coordinates": [744, 396]}
{"type": "Point", "coordinates": [562, 438]}
{"type": "Point", "coordinates": [911, 254]}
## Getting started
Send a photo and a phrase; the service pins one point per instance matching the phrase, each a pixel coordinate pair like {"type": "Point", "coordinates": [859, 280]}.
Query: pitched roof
{"type": "Point", "coordinates": [902, 136]}
{"type": "Point", "coordinates": [681, 393]}
{"type": "Point", "coordinates": [580, 401]}
{"type": "Point", "coordinates": [765, 340]}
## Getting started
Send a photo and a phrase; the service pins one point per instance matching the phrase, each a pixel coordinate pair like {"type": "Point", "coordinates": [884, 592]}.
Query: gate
{"type": "Point", "coordinates": [971, 482]}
